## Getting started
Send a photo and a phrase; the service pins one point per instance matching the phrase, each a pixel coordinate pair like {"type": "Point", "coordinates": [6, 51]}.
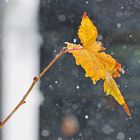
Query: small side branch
{"type": "Point", "coordinates": [35, 80]}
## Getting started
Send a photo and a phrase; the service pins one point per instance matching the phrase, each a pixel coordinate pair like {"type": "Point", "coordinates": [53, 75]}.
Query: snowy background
{"type": "Point", "coordinates": [67, 106]}
{"type": "Point", "coordinates": [67, 93]}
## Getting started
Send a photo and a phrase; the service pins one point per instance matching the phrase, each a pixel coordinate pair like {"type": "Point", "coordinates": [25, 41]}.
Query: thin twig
{"type": "Point", "coordinates": [35, 80]}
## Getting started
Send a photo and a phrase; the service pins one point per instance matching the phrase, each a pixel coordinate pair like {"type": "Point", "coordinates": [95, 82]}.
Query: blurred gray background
{"type": "Point", "coordinates": [65, 105]}
{"type": "Point", "coordinates": [68, 92]}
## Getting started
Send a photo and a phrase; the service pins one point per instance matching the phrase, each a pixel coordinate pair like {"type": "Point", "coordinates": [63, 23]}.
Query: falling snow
{"type": "Point", "coordinates": [120, 136]}
{"type": "Point", "coordinates": [74, 40]}
{"type": "Point", "coordinates": [66, 90]}
{"type": "Point", "coordinates": [61, 18]}
{"type": "Point", "coordinates": [45, 133]}
{"type": "Point", "coordinates": [77, 87]}
{"type": "Point", "coordinates": [86, 116]}
{"type": "Point", "coordinates": [118, 25]}
{"type": "Point", "coordinates": [107, 129]}
{"type": "Point", "coordinates": [59, 138]}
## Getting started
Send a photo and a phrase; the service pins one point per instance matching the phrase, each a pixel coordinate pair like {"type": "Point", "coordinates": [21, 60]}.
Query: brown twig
{"type": "Point", "coordinates": [35, 80]}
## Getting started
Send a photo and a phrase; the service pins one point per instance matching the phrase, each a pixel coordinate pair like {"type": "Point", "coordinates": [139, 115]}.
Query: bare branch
{"type": "Point", "coordinates": [35, 80]}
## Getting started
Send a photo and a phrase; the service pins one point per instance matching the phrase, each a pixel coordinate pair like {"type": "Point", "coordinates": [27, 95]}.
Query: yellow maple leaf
{"type": "Point", "coordinates": [96, 63]}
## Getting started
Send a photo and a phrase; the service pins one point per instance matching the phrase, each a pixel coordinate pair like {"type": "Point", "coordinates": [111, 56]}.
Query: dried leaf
{"type": "Point", "coordinates": [96, 63]}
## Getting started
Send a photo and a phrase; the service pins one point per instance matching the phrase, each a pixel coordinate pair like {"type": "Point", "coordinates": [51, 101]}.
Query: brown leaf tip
{"type": "Point", "coordinates": [125, 106]}
{"type": "Point", "coordinates": [84, 15]}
